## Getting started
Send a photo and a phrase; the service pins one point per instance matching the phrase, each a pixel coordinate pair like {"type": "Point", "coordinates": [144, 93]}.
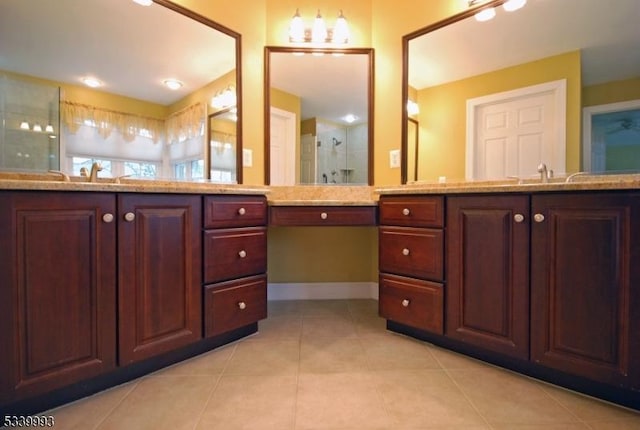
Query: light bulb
{"type": "Point", "coordinates": [49, 128]}
{"type": "Point", "coordinates": [24, 125]}
{"type": "Point", "coordinates": [37, 127]}
{"type": "Point", "coordinates": [319, 31]}
{"type": "Point", "coordinates": [511, 5]}
{"type": "Point", "coordinates": [341, 30]}
{"type": "Point", "coordinates": [173, 84]}
{"type": "Point", "coordinates": [296, 28]}
{"type": "Point", "coordinates": [485, 14]}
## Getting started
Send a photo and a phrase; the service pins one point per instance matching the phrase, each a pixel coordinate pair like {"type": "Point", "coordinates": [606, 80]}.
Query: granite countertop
{"type": "Point", "coordinates": [316, 195]}
{"type": "Point", "coordinates": [577, 183]}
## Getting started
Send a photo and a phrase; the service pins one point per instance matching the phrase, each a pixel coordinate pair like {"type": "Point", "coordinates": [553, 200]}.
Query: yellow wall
{"type": "Point", "coordinates": [611, 92]}
{"type": "Point", "coordinates": [443, 112]}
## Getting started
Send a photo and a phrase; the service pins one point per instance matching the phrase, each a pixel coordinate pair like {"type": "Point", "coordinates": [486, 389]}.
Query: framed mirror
{"type": "Point", "coordinates": [318, 116]}
{"type": "Point", "coordinates": [133, 123]}
{"type": "Point", "coordinates": [585, 52]}
{"type": "Point", "coordinates": [222, 148]}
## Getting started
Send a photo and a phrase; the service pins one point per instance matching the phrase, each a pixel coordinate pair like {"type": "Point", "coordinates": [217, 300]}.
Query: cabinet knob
{"type": "Point", "coordinates": [405, 303]}
{"type": "Point", "coordinates": [242, 211]}
{"type": "Point", "coordinates": [107, 217]}
{"type": "Point", "coordinates": [406, 211]}
{"type": "Point", "coordinates": [129, 216]}
{"type": "Point", "coordinates": [242, 305]}
{"type": "Point", "coordinates": [242, 253]}
{"type": "Point", "coordinates": [518, 218]}
{"type": "Point", "coordinates": [538, 217]}
{"type": "Point", "coordinates": [323, 215]}
{"type": "Point", "coordinates": [405, 251]}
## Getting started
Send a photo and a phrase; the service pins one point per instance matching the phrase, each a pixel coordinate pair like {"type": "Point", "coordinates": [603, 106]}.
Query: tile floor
{"type": "Point", "coordinates": [332, 365]}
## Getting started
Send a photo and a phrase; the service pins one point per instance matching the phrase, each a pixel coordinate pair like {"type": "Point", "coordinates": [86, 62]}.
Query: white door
{"type": "Point", "coordinates": [510, 133]}
{"type": "Point", "coordinates": [282, 148]}
{"type": "Point", "coordinates": [308, 151]}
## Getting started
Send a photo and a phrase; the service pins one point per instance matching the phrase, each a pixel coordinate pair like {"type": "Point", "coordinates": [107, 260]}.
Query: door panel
{"type": "Point", "coordinates": [160, 274]}
{"type": "Point", "coordinates": [487, 273]}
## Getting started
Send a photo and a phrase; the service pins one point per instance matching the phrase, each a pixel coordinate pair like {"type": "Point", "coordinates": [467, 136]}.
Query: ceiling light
{"type": "Point", "coordinates": [511, 5]}
{"type": "Point", "coordinates": [92, 82]}
{"type": "Point", "coordinates": [485, 14]}
{"type": "Point", "coordinates": [144, 2]}
{"type": "Point", "coordinates": [350, 118]}
{"type": "Point", "coordinates": [173, 84]}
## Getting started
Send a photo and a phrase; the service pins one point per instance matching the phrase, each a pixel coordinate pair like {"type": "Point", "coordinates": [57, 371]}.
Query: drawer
{"type": "Point", "coordinates": [234, 211]}
{"type": "Point", "coordinates": [421, 211]}
{"type": "Point", "coordinates": [234, 304]}
{"type": "Point", "coordinates": [322, 215]}
{"type": "Point", "coordinates": [416, 252]}
{"type": "Point", "coordinates": [234, 253]}
{"type": "Point", "coordinates": [412, 302]}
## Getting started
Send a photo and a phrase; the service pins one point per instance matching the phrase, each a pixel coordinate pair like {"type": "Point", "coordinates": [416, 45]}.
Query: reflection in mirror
{"type": "Point", "coordinates": [471, 80]}
{"type": "Point", "coordinates": [133, 122]}
{"type": "Point", "coordinates": [222, 147]}
{"type": "Point", "coordinates": [318, 105]}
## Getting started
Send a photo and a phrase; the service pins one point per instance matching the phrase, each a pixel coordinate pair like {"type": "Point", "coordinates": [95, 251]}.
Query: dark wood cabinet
{"type": "Point", "coordinates": [585, 285]}
{"type": "Point", "coordinates": [57, 290]}
{"type": "Point", "coordinates": [323, 215]}
{"type": "Point", "coordinates": [159, 278]}
{"type": "Point", "coordinates": [488, 272]}
{"type": "Point", "coordinates": [235, 263]}
{"type": "Point", "coordinates": [411, 261]}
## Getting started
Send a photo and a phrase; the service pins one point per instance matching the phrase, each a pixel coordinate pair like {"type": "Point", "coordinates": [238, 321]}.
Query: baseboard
{"type": "Point", "coordinates": [322, 290]}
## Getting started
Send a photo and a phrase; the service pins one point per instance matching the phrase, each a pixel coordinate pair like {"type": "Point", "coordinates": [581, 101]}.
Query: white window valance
{"type": "Point", "coordinates": [186, 123]}
{"type": "Point", "coordinates": [73, 115]}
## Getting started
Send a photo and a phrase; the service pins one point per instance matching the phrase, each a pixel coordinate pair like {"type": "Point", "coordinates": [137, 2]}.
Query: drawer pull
{"type": "Point", "coordinates": [129, 216]}
{"type": "Point", "coordinates": [518, 218]}
{"type": "Point", "coordinates": [242, 211]}
{"type": "Point", "coordinates": [107, 218]}
{"type": "Point", "coordinates": [406, 212]}
{"type": "Point", "coordinates": [242, 253]}
{"type": "Point", "coordinates": [405, 251]}
{"type": "Point", "coordinates": [405, 303]}
{"type": "Point", "coordinates": [323, 215]}
{"type": "Point", "coordinates": [538, 217]}
{"type": "Point", "coordinates": [242, 305]}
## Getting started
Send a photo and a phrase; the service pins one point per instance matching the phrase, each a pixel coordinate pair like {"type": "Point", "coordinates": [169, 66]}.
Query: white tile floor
{"type": "Point", "coordinates": [332, 365]}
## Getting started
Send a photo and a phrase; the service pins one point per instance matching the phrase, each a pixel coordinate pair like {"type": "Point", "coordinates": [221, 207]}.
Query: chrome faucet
{"type": "Point", "coordinates": [544, 173]}
{"type": "Point", "coordinates": [95, 168]}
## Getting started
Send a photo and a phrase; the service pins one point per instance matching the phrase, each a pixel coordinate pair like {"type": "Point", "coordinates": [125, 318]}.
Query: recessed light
{"type": "Point", "coordinates": [350, 118]}
{"type": "Point", "coordinates": [92, 82]}
{"type": "Point", "coordinates": [173, 84]}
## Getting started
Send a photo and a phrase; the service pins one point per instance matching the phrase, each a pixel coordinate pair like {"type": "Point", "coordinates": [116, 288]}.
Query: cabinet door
{"type": "Point", "coordinates": [57, 290]}
{"type": "Point", "coordinates": [488, 272]}
{"type": "Point", "coordinates": [584, 284]}
{"type": "Point", "coordinates": [159, 284]}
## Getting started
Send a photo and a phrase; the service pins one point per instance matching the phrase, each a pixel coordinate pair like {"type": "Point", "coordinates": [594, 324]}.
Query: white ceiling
{"type": "Point", "coordinates": [131, 48]}
{"type": "Point", "coordinates": [607, 32]}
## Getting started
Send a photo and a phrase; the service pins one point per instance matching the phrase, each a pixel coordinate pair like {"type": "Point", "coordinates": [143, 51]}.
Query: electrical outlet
{"type": "Point", "coordinates": [247, 158]}
{"type": "Point", "coordinates": [394, 158]}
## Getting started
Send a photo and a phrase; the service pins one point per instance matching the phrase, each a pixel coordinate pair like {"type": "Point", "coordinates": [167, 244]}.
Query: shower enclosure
{"type": "Point", "coordinates": [335, 155]}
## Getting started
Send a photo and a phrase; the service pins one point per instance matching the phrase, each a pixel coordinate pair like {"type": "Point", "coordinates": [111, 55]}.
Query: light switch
{"type": "Point", "coordinates": [247, 158]}
{"type": "Point", "coordinates": [394, 158]}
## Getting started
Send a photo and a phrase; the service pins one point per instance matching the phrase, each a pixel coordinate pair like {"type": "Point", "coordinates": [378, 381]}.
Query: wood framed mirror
{"type": "Point", "coordinates": [318, 116]}
{"type": "Point", "coordinates": [588, 46]}
{"type": "Point", "coordinates": [132, 49]}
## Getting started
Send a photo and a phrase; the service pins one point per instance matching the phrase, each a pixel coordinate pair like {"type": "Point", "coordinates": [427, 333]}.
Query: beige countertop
{"type": "Point", "coordinates": [316, 195]}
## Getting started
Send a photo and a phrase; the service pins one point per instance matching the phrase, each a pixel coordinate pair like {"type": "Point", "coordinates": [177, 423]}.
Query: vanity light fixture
{"type": "Point", "coordinates": [37, 127]}
{"type": "Point", "coordinates": [172, 84]}
{"type": "Point", "coordinates": [24, 125]}
{"type": "Point", "coordinates": [92, 82]}
{"type": "Point", "coordinates": [224, 98]}
{"type": "Point", "coordinates": [319, 32]}
{"type": "Point", "coordinates": [488, 13]}
{"type": "Point", "coordinates": [412, 107]}
{"type": "Point", "coordinates": [49, 128]}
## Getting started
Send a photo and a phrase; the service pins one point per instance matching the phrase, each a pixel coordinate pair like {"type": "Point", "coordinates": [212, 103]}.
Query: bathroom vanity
{"type": "Point", "coordinates": [102, 283]}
